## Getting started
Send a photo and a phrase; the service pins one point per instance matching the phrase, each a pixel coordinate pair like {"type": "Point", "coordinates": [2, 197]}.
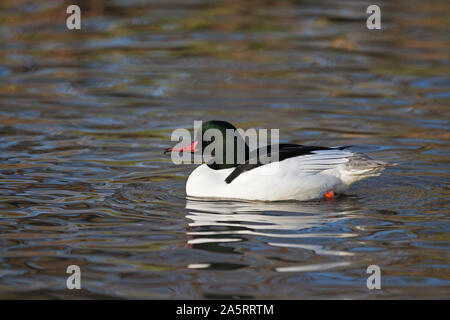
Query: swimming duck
{"type": "Point", "coordinates": [293, 172]}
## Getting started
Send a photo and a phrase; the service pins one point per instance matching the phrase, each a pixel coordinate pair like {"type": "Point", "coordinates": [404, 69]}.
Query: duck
{"type": "Point", "coordinates": [282, 172]}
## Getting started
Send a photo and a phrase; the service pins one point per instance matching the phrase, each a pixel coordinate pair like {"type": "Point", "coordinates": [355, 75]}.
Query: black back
{"type": "Point", "coordinates": [285, 151]}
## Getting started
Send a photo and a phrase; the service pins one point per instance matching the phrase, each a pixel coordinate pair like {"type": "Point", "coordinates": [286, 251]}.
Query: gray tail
{"type": "Point", "coordinates": [364, 166]}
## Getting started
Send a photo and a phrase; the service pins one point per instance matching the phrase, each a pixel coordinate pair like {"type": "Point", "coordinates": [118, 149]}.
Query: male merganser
{"type": "Point", "coordinates": [299, 173]}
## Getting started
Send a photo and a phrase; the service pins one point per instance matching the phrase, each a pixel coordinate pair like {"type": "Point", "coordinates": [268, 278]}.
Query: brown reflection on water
{"type": "Point", "coordinates": [84, 117]}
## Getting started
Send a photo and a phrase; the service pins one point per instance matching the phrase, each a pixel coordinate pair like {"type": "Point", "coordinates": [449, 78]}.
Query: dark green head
{"type": "Point", "coordinates": [228, 154]}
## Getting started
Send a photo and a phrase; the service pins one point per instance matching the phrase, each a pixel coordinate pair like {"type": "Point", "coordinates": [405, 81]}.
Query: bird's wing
{"type": "Point", "coordinates": [311, 159]}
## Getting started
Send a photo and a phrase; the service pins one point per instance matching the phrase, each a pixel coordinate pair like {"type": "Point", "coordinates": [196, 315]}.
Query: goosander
{"type": "Point", "coordinates": [299, 173]}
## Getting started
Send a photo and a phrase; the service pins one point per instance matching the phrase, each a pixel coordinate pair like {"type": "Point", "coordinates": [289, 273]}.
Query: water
{"type": "Point", "coordinates": [85, 117]}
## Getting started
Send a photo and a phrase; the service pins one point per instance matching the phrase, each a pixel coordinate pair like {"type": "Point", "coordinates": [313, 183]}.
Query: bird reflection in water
{"type": "Point", "coordinates": [311, 226]}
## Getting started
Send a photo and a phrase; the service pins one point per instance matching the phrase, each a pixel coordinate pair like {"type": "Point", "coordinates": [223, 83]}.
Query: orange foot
{"type": "Point", "coordinates": [329, 194]}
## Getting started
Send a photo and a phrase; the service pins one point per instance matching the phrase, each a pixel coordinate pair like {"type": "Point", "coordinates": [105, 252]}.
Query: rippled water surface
{"type": "Point", "coordinates": [85, 116]}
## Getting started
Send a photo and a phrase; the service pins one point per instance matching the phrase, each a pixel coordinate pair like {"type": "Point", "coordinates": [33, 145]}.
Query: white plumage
{"type": "Point", "coordinates": [303, 177]}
